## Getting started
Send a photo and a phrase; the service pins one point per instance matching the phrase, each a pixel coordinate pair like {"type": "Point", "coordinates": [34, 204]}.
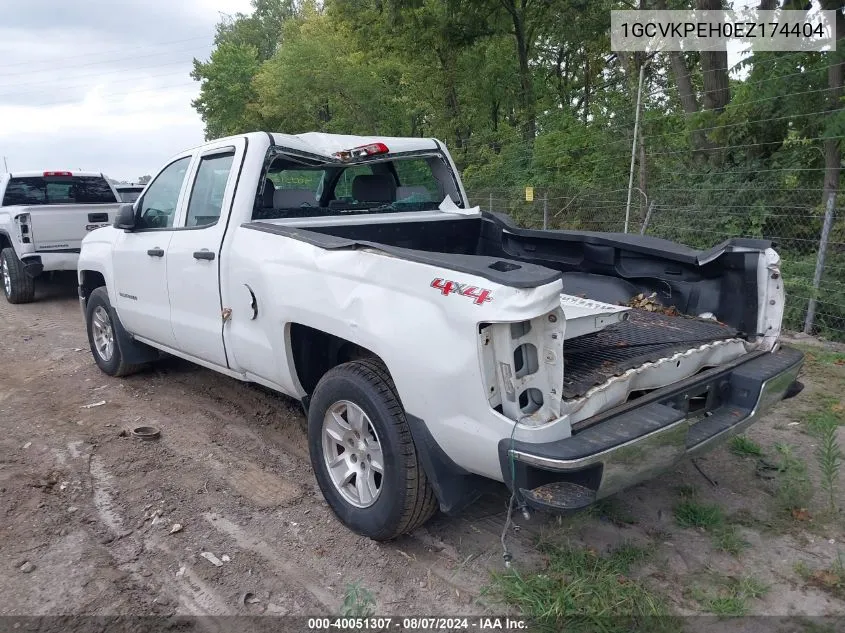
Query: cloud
{"type": "Point", "coordinates": [102, 85]}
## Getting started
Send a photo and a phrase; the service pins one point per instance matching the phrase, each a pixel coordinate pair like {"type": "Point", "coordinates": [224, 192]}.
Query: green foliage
{"type": "Point", "coordinates": [830, 579]}
{"type": "Point", "coordinates": [825, 425]}
{"type": "Point", "coordinates": [358, 602]}
{"type": "Point", "coordinates": [794, 486]}
{"type": "Point", "coordinates": [451, 69]}
{"type": "Point", "coordinates": [581, 591]}
{"type": "Point", "coordinates": [728, 539]}
{"type": "Point", "coordinates": [731, 597]}
{"type": "Point", "coordinates": [692, 513]}
{"type": "Point", "coordinates": [745, 447]}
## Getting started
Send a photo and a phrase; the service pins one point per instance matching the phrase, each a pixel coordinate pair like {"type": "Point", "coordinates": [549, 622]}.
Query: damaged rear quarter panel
{"type": "Point", "coordinates": [427, 339]}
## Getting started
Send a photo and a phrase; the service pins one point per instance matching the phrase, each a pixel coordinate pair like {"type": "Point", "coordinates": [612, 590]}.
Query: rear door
{"type": "Point", "coordinates": [193, 259]}
{"type": "Point", "coordinates": [140, 256]}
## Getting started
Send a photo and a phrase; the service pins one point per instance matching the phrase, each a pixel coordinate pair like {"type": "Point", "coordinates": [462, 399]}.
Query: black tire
{"type": "Point", "coordinates": [114, 364]}
{"type": "Point", "coordinates": [22, 286]}
{"type": "Point", "coordinates": [406, 500]}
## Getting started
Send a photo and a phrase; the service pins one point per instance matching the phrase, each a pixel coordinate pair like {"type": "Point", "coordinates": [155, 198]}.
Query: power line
{"type": "Point", "coordinates": [106, 52]}
{"type": "Point", "coordinates": [104, 72]}
{"type": "Point", "coordinates": [52, 89]}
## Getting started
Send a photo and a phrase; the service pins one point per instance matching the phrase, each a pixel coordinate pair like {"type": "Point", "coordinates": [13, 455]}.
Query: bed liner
{"type": "Point", "coordinates": [644, 337]}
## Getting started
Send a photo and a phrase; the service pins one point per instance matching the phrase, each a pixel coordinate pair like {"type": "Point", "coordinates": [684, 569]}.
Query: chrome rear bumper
{"type": "Point", "coordinates": [643, 438]}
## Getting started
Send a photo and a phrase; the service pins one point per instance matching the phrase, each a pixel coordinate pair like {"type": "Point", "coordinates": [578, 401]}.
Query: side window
{"type": "Point", "coordinates": [206, 199]}
{"type": "Point", "coordinates": [343, 187]}
{"type": "Point", "coordinates": [157, 208]}
{"type": "Point", "coordinates": [417, 183]}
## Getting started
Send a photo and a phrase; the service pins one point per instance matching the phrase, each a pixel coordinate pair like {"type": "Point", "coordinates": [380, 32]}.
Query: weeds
{"type": "Point", "coordinates": [358, 602]}
{"type": "Point", "coordinates": [728, 539]}
{"type": "Point", "coordinates": [794, 488]}
{"type": "Point", "coordinates": [581, 591]}
{"type": "Point", "coordinates": [731, 598]}
{"type": "Point", "coordinates": [831, 579]}
{"type": "Point", "coordinates": [690, 513]}
{"type": "Point", "coordinates": [745, 447]}
{"type": "Point", "coordinates": [824, 425]}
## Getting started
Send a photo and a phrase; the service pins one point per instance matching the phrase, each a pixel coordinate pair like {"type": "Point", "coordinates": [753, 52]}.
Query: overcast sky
{"type": "Point", "coordinates": [102, 85]}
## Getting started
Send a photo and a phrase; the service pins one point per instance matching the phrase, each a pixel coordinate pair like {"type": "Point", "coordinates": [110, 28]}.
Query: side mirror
{"type": "Point", "coordinates": [125, 218]}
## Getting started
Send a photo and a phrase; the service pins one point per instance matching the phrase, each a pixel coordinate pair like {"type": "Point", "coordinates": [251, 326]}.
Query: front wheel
{"type": "Point", "coordinates": [18, 286]}
{"type": "Point", "coordinates": [105, 346]}
{"type": "Point", "coordinates": [363, 454]}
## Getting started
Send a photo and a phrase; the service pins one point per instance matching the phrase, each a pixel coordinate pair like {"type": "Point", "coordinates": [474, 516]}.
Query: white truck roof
{"type": "Point", "coordinates": [328, 144]}
{"type": "Point", "coordinates": [321, 143]}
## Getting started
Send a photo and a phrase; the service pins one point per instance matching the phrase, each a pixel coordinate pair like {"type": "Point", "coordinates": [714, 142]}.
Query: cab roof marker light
{"type": "Point", "coordinates": [362, 151]}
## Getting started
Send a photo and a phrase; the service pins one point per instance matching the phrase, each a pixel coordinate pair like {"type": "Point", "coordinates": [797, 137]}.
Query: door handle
{"type": "Point", "coordinates": [156, 252]}
{"type": "Point", "coordinates": [204, 254]}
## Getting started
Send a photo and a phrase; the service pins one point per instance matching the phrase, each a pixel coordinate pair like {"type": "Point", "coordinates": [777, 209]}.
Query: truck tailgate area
{"type": "Point", "coordinates": [61, 227]}
{"type": "Point", "coordinates": [644, 337]}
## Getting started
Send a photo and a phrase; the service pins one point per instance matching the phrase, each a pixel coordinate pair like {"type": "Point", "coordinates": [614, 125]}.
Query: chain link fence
{"type": "Point", "coordinates": [808, 234]}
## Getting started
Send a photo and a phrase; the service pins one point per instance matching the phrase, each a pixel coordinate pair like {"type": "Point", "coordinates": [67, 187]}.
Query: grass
{"type": "Point", "coordinates": [745, 447]}
{"type": "Point", "coordinates": [822, 356]}
{"type": "Point", "coordinates": [727, 538]}
{"type": "Point", "coordinates": [358, 602]}
{"type": "Point", "coordinates": [831, 579]}
{"type": "Point", "coordinates": [582, 591]}
{"type": "Point", "coordinates": [794, 486]}
{"type": "Point", "coordinates": [691, 513]}
{"type": "Point", "coordinates": [731, 598]}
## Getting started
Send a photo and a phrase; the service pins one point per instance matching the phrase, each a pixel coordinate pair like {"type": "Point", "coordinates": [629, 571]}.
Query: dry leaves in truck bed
{"type": "Point", "coordinates": [651, 304]}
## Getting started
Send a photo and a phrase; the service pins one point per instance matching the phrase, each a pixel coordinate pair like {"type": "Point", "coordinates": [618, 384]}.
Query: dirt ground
{"type": "Point", "coordinates": [87, 512]}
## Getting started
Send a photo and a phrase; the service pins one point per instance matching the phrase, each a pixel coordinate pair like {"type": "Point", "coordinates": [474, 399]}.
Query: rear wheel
{"type": "Point", "coordinates": [18, 287]}
{"type": "Point", "coordinates": [363, 454]}
{"type": "Point", "coordinates": [105, 345]}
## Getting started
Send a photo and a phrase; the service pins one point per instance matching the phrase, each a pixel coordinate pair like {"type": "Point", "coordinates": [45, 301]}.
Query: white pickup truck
{"type": "Point", "coordinates": [43, 218]}
{"type": "Point", "coordinates": [435, 346]}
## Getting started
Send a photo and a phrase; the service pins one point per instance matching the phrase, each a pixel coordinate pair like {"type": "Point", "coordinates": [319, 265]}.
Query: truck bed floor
{"type": "Point", "coordinates": [592, 359]}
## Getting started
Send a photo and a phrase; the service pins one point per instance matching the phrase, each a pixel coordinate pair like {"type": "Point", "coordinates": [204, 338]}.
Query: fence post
{"type": "Point", "coordinates": [634, 144]}
{"type": "Point", "coordinates": [490, 208]}
{"type": "Point", "coordinates": [647, 217]}
{"type": "Point", "coordinates": [545, 211]}
{"type": "Point", "coordinates": [817, 276]}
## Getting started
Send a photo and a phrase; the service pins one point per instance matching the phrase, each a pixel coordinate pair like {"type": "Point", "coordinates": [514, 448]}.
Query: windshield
{"type": "Point", "coordinates": [39, 190]}
{"type": "Point", "coordinates": [418, 183]}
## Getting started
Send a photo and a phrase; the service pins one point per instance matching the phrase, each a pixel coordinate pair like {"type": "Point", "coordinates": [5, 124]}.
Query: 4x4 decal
{"type": "Point", "coordinates": [478, 295]}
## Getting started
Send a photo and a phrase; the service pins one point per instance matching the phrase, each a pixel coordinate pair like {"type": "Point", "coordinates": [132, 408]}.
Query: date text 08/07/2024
{"type": "Point", "coordinates": [418, 624]}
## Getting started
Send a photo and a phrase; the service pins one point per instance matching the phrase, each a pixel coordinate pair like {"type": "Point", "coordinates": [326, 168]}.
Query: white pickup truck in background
{"type": "Point", "coordinates": [434, 346]}
{"type": "Point", "coordinates": [43, 218]}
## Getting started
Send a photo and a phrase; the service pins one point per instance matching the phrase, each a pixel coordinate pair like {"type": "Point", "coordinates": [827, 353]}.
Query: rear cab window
{"type": "Point", "coordinates": [58, 188]}
{"type": "Point", "coordinates": [292, 189]}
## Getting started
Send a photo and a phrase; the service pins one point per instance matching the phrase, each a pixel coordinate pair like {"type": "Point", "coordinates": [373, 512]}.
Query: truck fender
{"type": "Point", "coordinates": [454, 487]}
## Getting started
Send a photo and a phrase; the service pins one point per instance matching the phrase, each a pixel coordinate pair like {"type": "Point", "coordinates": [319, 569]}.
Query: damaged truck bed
{"type": "Point", "coordinates": [644, 337]}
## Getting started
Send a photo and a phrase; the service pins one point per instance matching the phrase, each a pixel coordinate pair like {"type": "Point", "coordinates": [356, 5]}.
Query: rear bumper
{"type": "Point", "coordinates": [45, 261]}
{"type": "Point", "coordinates": [645, 437]}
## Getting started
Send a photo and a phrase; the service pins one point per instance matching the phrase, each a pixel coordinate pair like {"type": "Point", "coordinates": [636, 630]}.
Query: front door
{"type": "Point", "coordinates": [193, 259]}
{"type": "Point", "coordinates": [140, 258]}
